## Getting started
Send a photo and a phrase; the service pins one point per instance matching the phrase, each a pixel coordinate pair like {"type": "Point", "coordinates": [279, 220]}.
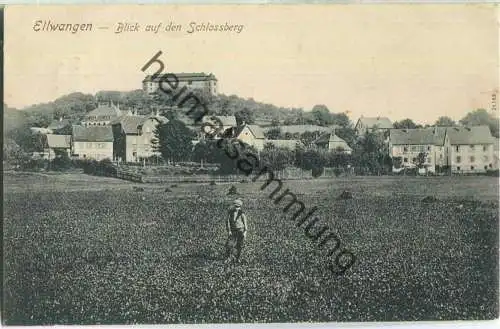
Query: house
{"type": "Point", "coordinates": [60, 127]}
{"type": "Point", "coordinates": [133, 136]}
{"type": "Point", "coordinates": [371, 124]}
{"type": "Point", "coordinates": [250, 134]}
{"type": "Point", "coordinates": [332, 142]}
{"type": "Point", "coordinates": [92, 142]}
{"type": "Point", "coordinates": [471, 149]}
{"type": "Point", "coordinates": [58, 145]}
{"type": "Point", "coordinates": [104, 115]}
{"type": "Point", "coordinates": [202, 81]}
{"type": "Point", "coordinates": [290, 144]}
{"type": "Point", "coordinates": [407, 147]}
{"type": "Point", "coordinates": [221, 122]}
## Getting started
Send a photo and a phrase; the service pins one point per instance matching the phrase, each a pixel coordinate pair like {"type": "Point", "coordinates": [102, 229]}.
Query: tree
{"type": "Point", "coordinates": [245, 115]}
{"type": "Point", "coordinates": [370, 153]}
{"type": "Point", "coordinates": [278, 158]}
{"type": "Point", "coordinates": [482, 117]}
{"type": "Point", "coordinates": [445, 121]}
{"type": "Point", "coordinates": [421, 159]}
{"type": "Point", "coordinates": [341, 119]}
{"type": "Point", "coordinates": [173, 140]}
{"type": "Point", "coordinates": [275, 122]}
{"type": "Point", "coordinates": [321, 115]}
{"type": "Point", "coordinates": [311, 158]}
{"type": "Point", "coordinates": [406, 124]}
{"type": "Point", "coordinates": [273, 133]}
{"type": "Point", "coordinates": [309, 136]}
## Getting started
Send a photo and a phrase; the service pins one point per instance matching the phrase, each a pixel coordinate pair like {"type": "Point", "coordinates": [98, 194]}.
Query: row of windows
{"type": "Point", "coordinates": [96, 124]}
{"type": "Point", "coordinates": [90, 145]}
{"type": "Point", "coordinates": [102, 117]}
{"type": "Point", "coordinates": [427, 160]}
{"type": "Point", "coordinates": [424, 148]}
{"type": "Point", "coordinates": [417, 148]}
{"type": "Point", "coordinates": [471, 147]}
{"type": "Point", "coordinates": [472, 159]}
{"type": "Point", "coordinates": [474, 168]}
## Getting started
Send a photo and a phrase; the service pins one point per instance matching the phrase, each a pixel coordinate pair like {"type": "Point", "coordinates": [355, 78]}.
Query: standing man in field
{"type": "Point", "coordinates": [236, 225]}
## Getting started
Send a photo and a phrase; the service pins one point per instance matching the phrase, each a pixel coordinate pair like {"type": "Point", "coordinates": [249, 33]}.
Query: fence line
{"type": "Point", "coordinates": [205, 178]}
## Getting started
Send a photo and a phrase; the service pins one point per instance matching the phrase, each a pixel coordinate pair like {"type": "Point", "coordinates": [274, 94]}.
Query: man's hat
{"type": "Point", "coordinates": [238, 202]}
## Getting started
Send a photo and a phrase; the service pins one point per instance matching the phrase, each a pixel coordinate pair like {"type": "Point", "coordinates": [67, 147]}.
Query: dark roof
{"type": "Point", "coordinates": [185, 77]}
{"type": "Point", "coordinates": [419, 136]}
{"type": "Point", "coordinates": [58, 141]}
{"type": "Point", "coordinates": [59, 124]}
{"type": "Point", "coordinates": [372, 122]}
{"type": "Point", "coordinates": [131, 123]}
{"type": "Point", "coordinates": [92, 134]}
{"type": "Point", "coordinates": [105, 110]}
{"type": "Point", "coordinates": [470, 135]}
{"type": "Point", "coordinates": [300, 129]}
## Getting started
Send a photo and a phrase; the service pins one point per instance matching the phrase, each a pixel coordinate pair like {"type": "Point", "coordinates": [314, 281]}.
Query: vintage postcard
{"type": "Point", "coordinates": [250, 163]}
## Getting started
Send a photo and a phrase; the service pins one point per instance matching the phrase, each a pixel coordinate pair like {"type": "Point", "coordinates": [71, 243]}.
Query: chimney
{"type": "Point", "coordinates": [243, 123]}
{"type": "Point", "coordinates": [60, 118]}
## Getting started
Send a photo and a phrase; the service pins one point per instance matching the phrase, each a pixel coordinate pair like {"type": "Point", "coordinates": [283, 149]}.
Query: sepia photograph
{"type": "Point", "coordinates": [222, 164]}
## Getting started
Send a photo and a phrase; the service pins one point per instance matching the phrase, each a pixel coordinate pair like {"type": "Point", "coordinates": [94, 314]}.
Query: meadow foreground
{"type": "Point", "coordinates": [112, 255]}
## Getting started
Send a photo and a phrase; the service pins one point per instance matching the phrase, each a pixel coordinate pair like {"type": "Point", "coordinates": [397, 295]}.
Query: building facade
{"type": "Point", "coordinates": [92, 142]}
{"type": "Point", "coordinates": [133, 137]}
{"type": "Point", "coordinates": [251, 135]}
{"type": "Point", "coordinates": [471, 149]}
{"type": "Point", "coordinates": [372, 124]}
{"type": "Point", "coordinates": [424, 147]}
{"type": "Point", "coordinates": [58, 145]}
{"type": "Point", "coordinates": [201, 81]}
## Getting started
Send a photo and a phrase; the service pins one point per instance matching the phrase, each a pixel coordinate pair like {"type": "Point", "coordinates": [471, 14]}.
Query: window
{"type": "Point", "coordinates": [485, 148]}
{"type": "Point", "coordinates": [485, 158]}
{"type": "Point", "coordinates": [134, 154]}
{"type": "Point", "coordinates": [458, 168]}
{"type": "Point", "coordinates": [405, 160]}
{"type": "Point", "coordinates": [405, 149]}
{"type": "Point", "coordinates": [190, 83]}
{"type": "Point", "coordinates": [414, 160]}
{"type": "Point", "coordinates": [472, 159]}
{"type": "Point", "coordinates": [84, 155]}
{"type": "Point", "coordinates": [428, 148]}
{"type": "Point", "coordinates": [457, 148]}
{"type": "Point", "coordinates": [491, 166]}
{"type": "Point", "coordinates": [471, 167]}
{"type": "Point", "coordinates": [459, 158]}
{"type": "Point", "coordinates": [429, 160]}
{"type": "Point", "coordinates": [441, 157]}
{"type": "Point", "coordinates": [485, 167]}
{"type": "Point", "coordinates": [414, 148]}
{"type": "Point", "coordinates": [472, 147]}
{"type": "Point", "coordinates": [89, 145]}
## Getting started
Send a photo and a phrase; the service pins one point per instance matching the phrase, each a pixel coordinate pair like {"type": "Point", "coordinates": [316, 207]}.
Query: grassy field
{"type": "Point", "coordinates": [81, 249]}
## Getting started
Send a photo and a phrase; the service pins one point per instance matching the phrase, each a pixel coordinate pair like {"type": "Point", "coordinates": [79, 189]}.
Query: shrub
{"type": "Point", "coordinates": [61, 163]}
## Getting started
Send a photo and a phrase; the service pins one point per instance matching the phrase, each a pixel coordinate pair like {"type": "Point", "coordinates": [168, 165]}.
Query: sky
{"type": "Point", "coordinates": [417, 61]}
